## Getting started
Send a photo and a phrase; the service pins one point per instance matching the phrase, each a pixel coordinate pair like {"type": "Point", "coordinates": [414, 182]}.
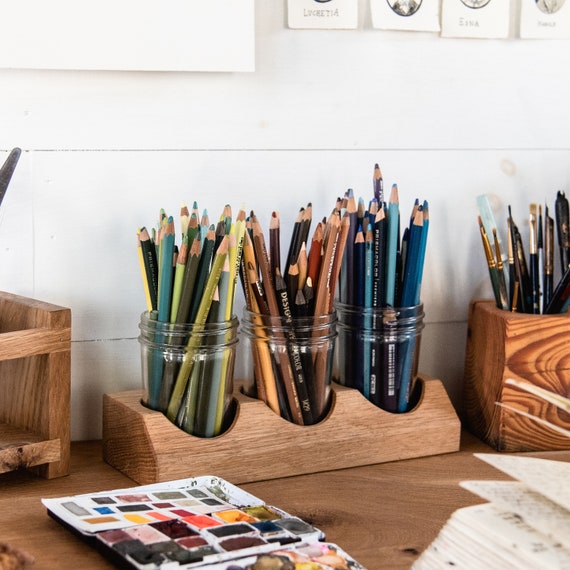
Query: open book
{"type": "Point", "coordinates": [525, 524]}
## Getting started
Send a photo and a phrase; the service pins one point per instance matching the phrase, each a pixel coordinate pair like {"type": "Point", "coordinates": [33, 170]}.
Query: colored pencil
{"type": "Point", "coordinates": [284, 364]}
{"type": "Point", "coordinates": [201, 315]}
{"type": "Point", "coordinates": [378, 185]}
{"type": "Point", "coordinates": [392, 245]}
{"type": "Point", "coordinates": [151, 266]}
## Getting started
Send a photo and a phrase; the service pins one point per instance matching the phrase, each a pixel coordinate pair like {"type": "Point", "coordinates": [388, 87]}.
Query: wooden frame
{"type": "Point", "coordinates": [35, 374]}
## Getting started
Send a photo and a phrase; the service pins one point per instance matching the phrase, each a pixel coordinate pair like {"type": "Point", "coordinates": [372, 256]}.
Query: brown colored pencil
{"type": "Point", "coordinates": [303, 266]}
{"type": "Point", "coordinates": [339, 254]}
{"type": "Point", "coordinates": [315, 254]}
{"type": "Point", "coordinates": [264, 377]}
{"type": "Point", "coordinates": [322, 294]}
{"type": "Point", "coordinates": [269, 286]}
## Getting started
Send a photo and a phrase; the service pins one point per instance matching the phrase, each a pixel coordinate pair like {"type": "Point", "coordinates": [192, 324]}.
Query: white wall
{"type": "Point", "coordinates": [103, 151]}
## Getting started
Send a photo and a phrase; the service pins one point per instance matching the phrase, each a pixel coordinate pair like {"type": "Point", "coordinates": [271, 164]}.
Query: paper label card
{"type": "Point", "coordinates": [475, 18]}
{"type": "Point", "coordinates": [415, 15]}
{"type": "Point", "coordinates": [323, 14]}
{"type": "Point", "coordinates": [546, 19]}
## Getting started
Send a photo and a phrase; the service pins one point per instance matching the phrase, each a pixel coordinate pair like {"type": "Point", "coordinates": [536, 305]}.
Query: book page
{"type": "Point", "coordinates": [545, 476]}
{"type": "Point", "coordinates": [483, 536]}
{"type": "Point", "coordinates": [536, 510]}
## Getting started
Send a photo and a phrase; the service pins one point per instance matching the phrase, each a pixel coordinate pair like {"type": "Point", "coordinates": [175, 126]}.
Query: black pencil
{"type": "Point", "coordinates": [293, 349]}
{"type": "Point", "coordinates": [378, 185]}
{"type": "Point", "coordinates": [291, 254]}
{"type": "Point", "coordinates": [150, 265]}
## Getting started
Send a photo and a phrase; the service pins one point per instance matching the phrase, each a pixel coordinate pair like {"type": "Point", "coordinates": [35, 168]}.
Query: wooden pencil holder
{"type": "Point", "coordinates": [35, 373]}
{"type": "Point", "coordinates": [533, 348]}
{"type": "Point", "coordinates": [260, 445]}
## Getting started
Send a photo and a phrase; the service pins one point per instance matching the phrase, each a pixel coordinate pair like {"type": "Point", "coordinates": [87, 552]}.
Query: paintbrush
{"type": "Point", "coordinates": [7, 170]}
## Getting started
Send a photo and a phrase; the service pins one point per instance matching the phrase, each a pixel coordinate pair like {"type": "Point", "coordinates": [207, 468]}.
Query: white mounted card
{"type": "Point", "coordinates": [413, 15]}
{"type": "Point", "coordinates": [475, 18]}
{"type": "Point", "coordinates": [322, 14]}
{"type": "Point", "coordinates": [545, 19]}
{"type": "Point", "coordinates": [141, 35]}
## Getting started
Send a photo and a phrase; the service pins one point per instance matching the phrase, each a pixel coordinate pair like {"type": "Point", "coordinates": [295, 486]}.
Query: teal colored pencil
{"type": "Point", "coordinates": [422, 253]}
{"type": "Point", "coordinates": [164, 299]}
{"type": "Point", "coordinates": [392, 245]}
{"type": "Point", "coordinates": [368, 288]}
{"type": "Point", "coordinates": [204, 225]}
{"type": "Point", "coordinates": [411, 270]}
{"type": "Point", "coordinates": [404, 392]}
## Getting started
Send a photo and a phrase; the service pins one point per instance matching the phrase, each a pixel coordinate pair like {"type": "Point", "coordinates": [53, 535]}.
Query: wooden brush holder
{"type": "Point", "coordinates": [260, 445]}
{"type": "Point", "coordinates": [533, 348]}
{"type": "Point", "coordinates": [35, 374]}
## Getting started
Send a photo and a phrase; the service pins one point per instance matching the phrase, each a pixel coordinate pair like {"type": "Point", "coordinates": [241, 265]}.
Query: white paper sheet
{"type": "Point", "coordinates": [545, 19]}
{"type": "Point", "coordinates": [166, 35]}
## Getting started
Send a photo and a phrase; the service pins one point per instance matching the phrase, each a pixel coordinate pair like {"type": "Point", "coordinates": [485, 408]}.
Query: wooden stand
{"type": "Point", "coordinates": [502, 345]}
{"type": "Point", "coordinates": [259, 445]}
{"type": "Point", "coordinates": [35, 372]}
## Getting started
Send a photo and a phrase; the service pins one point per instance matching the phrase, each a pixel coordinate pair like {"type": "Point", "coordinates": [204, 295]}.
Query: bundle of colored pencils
{"type": "Point", "coordinates": [304, 288]}
{"type": "Point", "coordinates": [380, 279]}
{"type": "Point", "coordinates": [193, 283]}
{"type": "Point", "coordinates": [379, 269]}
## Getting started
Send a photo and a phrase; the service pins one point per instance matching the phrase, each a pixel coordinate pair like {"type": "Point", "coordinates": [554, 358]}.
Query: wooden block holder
{"type": "Point", "coordinates": [260, 445]}
{"type": "Point", "coordinates": [532, 348]}
{"type": "Point", "coordinates": [35, 372]}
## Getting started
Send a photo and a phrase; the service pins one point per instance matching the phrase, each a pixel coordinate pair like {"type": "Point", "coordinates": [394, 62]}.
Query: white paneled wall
{"type": "Point", "coordinates": [103, 151]}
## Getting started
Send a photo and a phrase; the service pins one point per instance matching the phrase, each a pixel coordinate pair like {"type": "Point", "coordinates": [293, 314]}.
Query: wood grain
{"type": "Point", "coordinates": [502, 345]}
{"type": "Point", "coordinates": [35, 377]}
{"type": "Point", "coordinates": [383, 514]}
{"type": "Point", "coordinates": [148, 448]}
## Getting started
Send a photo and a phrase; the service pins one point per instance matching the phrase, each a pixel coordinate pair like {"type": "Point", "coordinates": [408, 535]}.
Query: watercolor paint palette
{"type": "Point", "coordinates": [202, 522]}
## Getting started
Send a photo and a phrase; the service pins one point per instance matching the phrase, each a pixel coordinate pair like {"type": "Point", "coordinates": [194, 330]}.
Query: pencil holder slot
{"type": "Point", "coordinates": [291, 363]}
{"type": "Point", "coordinates": [378, 352]}
{"type": "Point", "coordinates": [260, 445]}
{"type": "Point", "coordinates": [187, 372]}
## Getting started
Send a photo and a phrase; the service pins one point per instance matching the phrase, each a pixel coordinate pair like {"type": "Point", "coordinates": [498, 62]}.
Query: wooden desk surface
{"type": "Point", "coordinates": [383, 515]}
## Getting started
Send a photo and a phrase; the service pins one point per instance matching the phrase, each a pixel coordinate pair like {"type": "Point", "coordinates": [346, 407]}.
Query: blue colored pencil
{"type": "Point", "coordinates": [392, 245]}
{"type": "Point", "coordinates": [422, 254]}
{"type": "Point", "coordinates": [359, 287]}
{"type": "Point", "coordinates": [412, 264]}
{"type": "Point", "coordinates": [368, 286]}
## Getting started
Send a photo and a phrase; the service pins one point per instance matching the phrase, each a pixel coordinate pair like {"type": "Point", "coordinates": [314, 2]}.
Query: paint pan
{"type": "Point", "coordinates": [193, 523]}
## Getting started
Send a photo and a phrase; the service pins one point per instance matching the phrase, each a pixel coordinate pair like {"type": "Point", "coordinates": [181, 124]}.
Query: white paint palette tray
{"type": "Point", "coordinates": [202, 522]}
